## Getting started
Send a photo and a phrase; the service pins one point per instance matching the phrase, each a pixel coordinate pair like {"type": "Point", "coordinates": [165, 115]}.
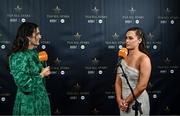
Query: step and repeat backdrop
{"type": "Point", "coordinates": [82, 38]}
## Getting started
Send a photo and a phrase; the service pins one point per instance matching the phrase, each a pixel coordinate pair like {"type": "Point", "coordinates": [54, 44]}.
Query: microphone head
{"type": "Point", "coordinates": [123, 52]}
{"type": "Point", "coordinates": [43, 56]}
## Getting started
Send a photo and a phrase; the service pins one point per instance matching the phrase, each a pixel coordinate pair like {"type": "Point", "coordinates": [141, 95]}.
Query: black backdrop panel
{"type": "Point", "coordinates": [82, 38]}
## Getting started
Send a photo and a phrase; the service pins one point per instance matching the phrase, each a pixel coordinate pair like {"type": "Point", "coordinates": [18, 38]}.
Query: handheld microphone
{"type": "Point", "coordinates": [43, 56]}
{"type": "Point", "coordinates": [122, 53]}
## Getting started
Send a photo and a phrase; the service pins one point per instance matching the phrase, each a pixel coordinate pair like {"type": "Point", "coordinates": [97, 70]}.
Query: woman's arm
{"type": "Point", "coordinates": [145, 71]}
{"type": "Point", "coordinates": [20, 69]}
{"type": "Point", "coordinates": [118, 86]}
{"type": "Point", "coordinates": [118, 90]}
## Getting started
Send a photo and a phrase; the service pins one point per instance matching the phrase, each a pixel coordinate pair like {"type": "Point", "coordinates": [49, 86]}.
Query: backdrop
{"type": "Point", "coordinates": [82, 38]}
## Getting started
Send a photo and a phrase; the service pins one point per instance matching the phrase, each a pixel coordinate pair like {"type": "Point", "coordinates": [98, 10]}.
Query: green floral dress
{"type": "Point", "coordinates": [31, 97]}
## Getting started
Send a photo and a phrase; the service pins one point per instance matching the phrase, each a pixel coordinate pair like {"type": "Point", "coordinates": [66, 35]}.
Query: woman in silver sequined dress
{"type": "Point", "coordinates": [137, 67]}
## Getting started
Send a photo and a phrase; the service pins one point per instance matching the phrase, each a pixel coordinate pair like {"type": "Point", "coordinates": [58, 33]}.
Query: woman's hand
{"type": "Point", "coordinates": [45, 72]}
{"type": "Point", "coordinates": [123, 105]}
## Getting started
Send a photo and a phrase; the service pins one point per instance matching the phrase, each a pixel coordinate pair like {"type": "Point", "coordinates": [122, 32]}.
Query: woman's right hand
{"type": "Point", "coordinates": [123, 105]}
{"type": "Point", "coordinates": [45, 71]}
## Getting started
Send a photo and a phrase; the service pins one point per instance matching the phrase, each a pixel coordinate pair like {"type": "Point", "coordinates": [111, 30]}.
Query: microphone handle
{"type": "Point", "coordinates": [45, 63]}
{"type": "Point", "coordinates": [119, 61]}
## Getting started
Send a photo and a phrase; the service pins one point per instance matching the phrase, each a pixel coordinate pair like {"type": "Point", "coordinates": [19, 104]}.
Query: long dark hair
{"type": "Point", "coordinates": [21, 41]}
{"type": "Point", "coordinates": [140, 34]}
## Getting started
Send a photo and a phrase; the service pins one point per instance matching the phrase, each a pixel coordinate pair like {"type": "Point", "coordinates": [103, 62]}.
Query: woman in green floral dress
{"type": "Point", "coordinates": [28, 73]}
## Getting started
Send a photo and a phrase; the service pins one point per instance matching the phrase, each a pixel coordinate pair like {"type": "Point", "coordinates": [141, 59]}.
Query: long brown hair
{"type": "Point", "coordinates": [21, 41]}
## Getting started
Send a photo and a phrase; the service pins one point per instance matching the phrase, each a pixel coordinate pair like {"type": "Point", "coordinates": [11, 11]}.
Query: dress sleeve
{"type": "Point", "coordinates": [19, 67]}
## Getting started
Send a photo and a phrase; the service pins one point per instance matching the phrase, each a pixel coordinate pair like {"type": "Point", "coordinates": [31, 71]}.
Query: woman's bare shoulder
{"type": "Point", "coordinates": [144, 58]}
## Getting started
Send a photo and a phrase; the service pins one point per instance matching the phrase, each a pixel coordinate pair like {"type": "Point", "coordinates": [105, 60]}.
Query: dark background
{"type": "Point", "coordinates": [82, 38]}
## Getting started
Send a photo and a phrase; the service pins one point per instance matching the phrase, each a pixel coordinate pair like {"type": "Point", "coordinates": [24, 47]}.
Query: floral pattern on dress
{"type": "Point", "coordinates": [31, 96]}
